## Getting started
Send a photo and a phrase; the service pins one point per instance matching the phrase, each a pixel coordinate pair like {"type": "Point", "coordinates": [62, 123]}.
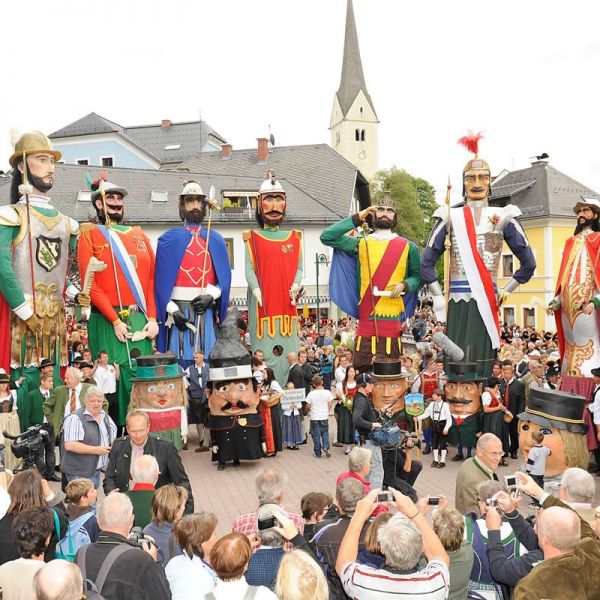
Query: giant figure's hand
{"type": "Point", "coordinates": [34, 325]}
{"type": "Point", "coordinates": [363, 214]}
{"type": "Point", "coordinates": [151, 329]}
{"type": "Point", "coordinates": [83, 299]}
{"type": "Point", "coordinates": [258, 295]}
{"type": "Point", "coordinates": [439, 307]}
{"type": "Point", "coordinates": [293, 293]}
{"type": "Point", "coordinates": [202, 302]}
{"type": "Point", "coordinates": [180, 320]}
{"type": "Point", "coordinates": [398, 290]}
{"type": "Point", "coordinates": [122, 332]}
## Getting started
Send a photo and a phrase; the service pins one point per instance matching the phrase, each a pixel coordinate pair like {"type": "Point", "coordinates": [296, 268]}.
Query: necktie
{"type": "Point", "coordinates": [72, 401]}
{"type": "Point", "coordinates": [495, 476]}
{"type": "Point", "coordinates": [506, 395]}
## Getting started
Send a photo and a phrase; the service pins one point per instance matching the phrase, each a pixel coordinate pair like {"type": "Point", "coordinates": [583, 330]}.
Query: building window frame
{"type": "Point", "coordinates": [508, 258]}
{"type": "Point", "coordinates": [525, 310]}
{"type": "Point", "coordinates": [83, 162]}
{"type": "Point", "coordinates": [112, 161]}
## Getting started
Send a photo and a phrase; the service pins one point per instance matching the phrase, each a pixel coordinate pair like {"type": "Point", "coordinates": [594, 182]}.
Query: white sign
{"type": "Point", "coordinates": [293, 396]}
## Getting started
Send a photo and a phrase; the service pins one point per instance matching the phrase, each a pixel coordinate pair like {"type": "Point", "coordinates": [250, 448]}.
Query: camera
{"type": "Point", "coordinates": [492, 502]}
{"type": "Point", "coordinates": [137, 538]}
{"type": "Point", "coordinates": [266, 523]}
{"type": "Point", "coordinates": [510, 481]}
{"type": "Point", "coordinates": [384, 497]}
{"type": "Point", "coordinates": [29, 446]}
{"type": "Point", "coordinates": [433, 500]}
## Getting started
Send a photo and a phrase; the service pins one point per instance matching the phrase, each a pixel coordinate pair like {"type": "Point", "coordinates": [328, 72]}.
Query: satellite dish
{"type": "Point", "coordinates": [272, 139]}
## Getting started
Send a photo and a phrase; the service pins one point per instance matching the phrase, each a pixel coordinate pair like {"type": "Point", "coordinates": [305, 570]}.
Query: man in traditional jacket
{"type": "Point", "coordinates": [385, 267]}
{"type": "Point", "coordinates": [273, 273]}
{"type": "Point", "coordinates": [477, 232]}
{"type": "Point", "coordinates": [193, 279]}
{"type": "Point", "coordinates": [123, 317]}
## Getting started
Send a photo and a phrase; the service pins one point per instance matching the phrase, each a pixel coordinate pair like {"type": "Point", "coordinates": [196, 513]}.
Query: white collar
{"type": "Point", "coordinates": [43, 201]}
{"type": "Point", "coordinates": [383, 234]}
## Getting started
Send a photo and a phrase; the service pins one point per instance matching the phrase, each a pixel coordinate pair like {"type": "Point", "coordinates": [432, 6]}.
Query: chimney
{"type": "Point", "coordinates": [166, 123]}
{"type": "Point", "coordinates": [226, 150]}
{"type": "Point", "coordinates": [263, 149]}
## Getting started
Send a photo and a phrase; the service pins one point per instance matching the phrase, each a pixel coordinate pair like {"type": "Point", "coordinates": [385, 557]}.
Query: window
{"type": "Point", "coordinates": [528, 317]}
{"type": "Point", "coordinates": [173, 147]}
{"type": "Point", "coordinates": [107, 161]}
{"type": "Point", "coordinates": [357, 135]}
{"type": "Point", "coordinates": [507, 265]}
{"type": "Point", "coordinates": [362, 135]}
{"type": "Point", "coordinates": [229, 246]}
{"type": "Point", "coordinates": [159, 196]}
{"type": "Point", "coordinates": [84, 196]}
{"type": "Point", "coordinates": [509, 315]}
{"type": "Point", "coordinates": [361, 110]}
{"type": "Point", "coordinates": [337, 138]}
{"type": "Point", "coordinates": [239, 201]}
{"type": "Point", "coordinates": [82, 161]}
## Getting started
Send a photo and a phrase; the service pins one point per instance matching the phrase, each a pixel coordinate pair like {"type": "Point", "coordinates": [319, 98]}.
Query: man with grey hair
{"type": "Point", "coordinates": [144, 475]}
{"type": "Point", "coordinates": [132, 571]}
{"type": "Point", "coordinates": [403, 539]}
{"type": "Point", "coordinates": [88, 434]}
{"type": "Point", "coordinates": [58, 580]}
{"type": "Point", "coordinates": [577, 490]}
{"type": "Point", "coordinates": [475, 470]}
{"type": "Point", "coordinates": [270, 488]}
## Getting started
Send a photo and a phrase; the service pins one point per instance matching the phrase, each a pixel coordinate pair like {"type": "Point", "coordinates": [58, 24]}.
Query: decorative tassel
{"type": "Point", "coordinates": [471, 142]}
{"type": "Point", "coordinates": [25, 189]}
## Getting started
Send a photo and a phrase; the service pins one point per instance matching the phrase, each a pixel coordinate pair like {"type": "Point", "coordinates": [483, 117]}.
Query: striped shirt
{"type": "Point", "coordinates": [73, 432]}
{"type": "Point", "coordinates": [367, 583]}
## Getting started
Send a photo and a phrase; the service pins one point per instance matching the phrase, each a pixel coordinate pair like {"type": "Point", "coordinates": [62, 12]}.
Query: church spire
{"type": "Point", "coordinates": [353, 79]}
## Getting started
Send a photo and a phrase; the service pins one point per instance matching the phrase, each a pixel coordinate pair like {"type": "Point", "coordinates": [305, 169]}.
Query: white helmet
{"type": "Point", "coordinates": [271, 185]}
{"type": "Point", "coordinates": [191, 188]}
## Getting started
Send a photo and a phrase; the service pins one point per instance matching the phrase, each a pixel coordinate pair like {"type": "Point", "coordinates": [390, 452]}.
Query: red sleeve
{"type": "Point", "coordinates": [150, 299]}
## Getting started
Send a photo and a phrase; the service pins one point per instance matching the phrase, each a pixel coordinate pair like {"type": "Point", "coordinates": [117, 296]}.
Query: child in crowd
{"type": "Point", "coordinates": [319, 402]}
{"type": "Point", "coordinates": [439, 413]}
{"type": "Point", "coordinates": [536, 459]}
{"type": "Point", "coordinates": [292, 424]}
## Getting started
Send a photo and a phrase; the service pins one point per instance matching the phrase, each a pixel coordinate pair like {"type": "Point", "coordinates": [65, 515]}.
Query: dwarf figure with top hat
{"type": "Point", "coordinates": [123, 317]}
{"type": "Point", "coordinates": [463, 394]}
{"type": "Point", "coordinates": [577, 297]}
{"type": "Point", "coordinates": [476, 234]}
{"type": "Point", "coordinates": [35, 241]}
{"type": "Point", "coordinates": [273, 273]}
{"type": "Point", "coordinates": [159, 390]}
{"type": "Point", "coordinates": [193, 280]}
{"type": "Point", "coordinates": [385, 268]}
{"type": "Point", "coordinates": [559, 417]}
{"type": "Point", "coordinates": [236, 429]}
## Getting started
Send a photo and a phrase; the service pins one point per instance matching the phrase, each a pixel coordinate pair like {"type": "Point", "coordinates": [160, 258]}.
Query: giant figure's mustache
{"type": "Point", "coordinates": [459, 401]}
{"type": "Point", "coordinates": [229, 405]}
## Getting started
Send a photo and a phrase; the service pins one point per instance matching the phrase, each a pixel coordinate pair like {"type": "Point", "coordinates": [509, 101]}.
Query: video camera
{"type": "Point", "coordinates": [390, 433]}
{"type": "Point", "coordinates": [29, 446]}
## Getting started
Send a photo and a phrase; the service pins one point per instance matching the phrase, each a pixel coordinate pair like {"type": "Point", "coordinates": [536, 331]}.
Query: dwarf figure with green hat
{"type": "Point", "coordinates": [35, 241]}
{"type": "Point", "coordinates": [236, 428]}
{"type": "Point", "coordinates": [159, 390]}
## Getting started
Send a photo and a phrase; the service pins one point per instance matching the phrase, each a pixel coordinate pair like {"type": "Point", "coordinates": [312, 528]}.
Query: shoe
{"type": "Point", "coordinates": [201, 449]}
{"type": "Point", "coordinates": [53, 478]}
{"type": "Point", "coordinates": [221, 467]}
{"type": "Point", "coordinates": [348, 450]}
{"type": "Point", "coordinates": [337, 445]}
{"type": "Point", "coordinates": [427, 450]}
{"type": "Point", "coordinates": [304, 442]}
{"type": "Point", "coordinates": [317, 456]}
{"type": "Point", "coordinates": [503, 463]}
{"type": "Point", "coordinates": [441, 465]}
{"type": "Point", "coordinates": [236, 462]}
{"type": "Point", "coordinates": [458, 458]}
{"type": "Point", "coordinates": [184, 447]}
{"type": "Point", "coordinates": [513, 455]}
{"type": "Point", "coordinates": [434, 464]}
{"type": "Point", "coordinates": [327, 453]}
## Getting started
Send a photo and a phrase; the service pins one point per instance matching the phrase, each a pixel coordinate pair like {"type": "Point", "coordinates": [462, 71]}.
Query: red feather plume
{"type": "Point", "coordinates": [471, 142]}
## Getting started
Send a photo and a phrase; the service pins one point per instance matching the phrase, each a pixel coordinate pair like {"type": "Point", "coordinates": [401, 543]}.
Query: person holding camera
{"type": "Point", "coordinates": [399, 468]}
{"type": "Point", "coordinates": [9, 418]}
{"type": "Point", "coordinates": [131, 571]}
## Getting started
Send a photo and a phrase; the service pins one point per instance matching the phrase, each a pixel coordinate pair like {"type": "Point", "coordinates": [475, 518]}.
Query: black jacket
{"type": "Point", "coordinates": [516, 395]}
{"type": "Point", "coordinates": [296, 377]}
{"type": "Point", "coordinates": [363, 414]}
{"type": "Point", "coordinates": [169, 465]}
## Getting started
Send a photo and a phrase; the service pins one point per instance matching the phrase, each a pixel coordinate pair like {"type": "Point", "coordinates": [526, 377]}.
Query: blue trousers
{"type": "Point", "coordinates": [319, 430]}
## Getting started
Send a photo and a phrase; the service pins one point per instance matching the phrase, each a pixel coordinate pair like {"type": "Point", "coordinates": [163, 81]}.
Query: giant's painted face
{"type": "Point", "coordinates": [464, 397]}
{"type": "Point", "coordinates": [477, 184]}
{"type": "Point", "coordinates": [230, 398]}
{"type": "Point", "coordinates": [272, 208]}
{"type": "Point", "coordinates": [556, 462]}
{"type": "Point", "coordinates": [161, 394]}
{"type": "Point", "coordinates": [387, 391]}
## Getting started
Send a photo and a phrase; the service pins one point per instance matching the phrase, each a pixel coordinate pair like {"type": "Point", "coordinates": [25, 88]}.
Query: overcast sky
{"type": "Point", "coordinates": [524, 72]}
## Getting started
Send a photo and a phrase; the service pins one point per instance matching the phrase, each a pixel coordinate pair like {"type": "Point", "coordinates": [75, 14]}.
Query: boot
{"type": "Point", "coordinates": [443, 459]}
{"type": "Point", "coordinates": [435, 462]}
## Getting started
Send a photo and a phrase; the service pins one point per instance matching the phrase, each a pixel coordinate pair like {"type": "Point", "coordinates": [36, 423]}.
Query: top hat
{"type": "Point", "coordinates": [553, 408]}
{"type": "Point", "coordinates": [596, 372]}
{"type": "Point", "coordinates": [462, 371]}
{"type": "Point", "coordinates": [387, 369]}
{"type": "Point", "coordinates": [229, 360]}
{"type": "Point", "coordinates": [30, 143]}
{"type": "Point", "coordinates": [157, 367]}
{"type": "Point", "coordinates": [46, 362]}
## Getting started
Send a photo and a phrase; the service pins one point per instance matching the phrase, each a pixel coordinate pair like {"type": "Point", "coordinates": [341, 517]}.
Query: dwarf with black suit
{"type": "Point", "coordinates": [513, 395]}
{"type": "Point", "coordinates": [137, 443]}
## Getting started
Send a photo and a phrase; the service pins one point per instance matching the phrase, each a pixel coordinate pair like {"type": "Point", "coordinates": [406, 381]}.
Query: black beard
{"type": "Point", "coordinates": [196, 215]}
{"type": "Point", "coordinates": [39, 184]}
{"type": "Point", "coordinates": [383, 224]}
{"type": "Point", "coordinates": [273, 220]}
{"type": "Point", "coordinates": [593, 224]}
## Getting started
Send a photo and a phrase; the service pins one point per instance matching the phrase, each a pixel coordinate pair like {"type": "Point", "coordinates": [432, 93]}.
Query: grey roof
{"type": "Point", "coordinates": [152, 139]}
{"type": "Point", "coordinates": [540, 191]}
{"type": "Point", "coordinates": [302, 206]}
{"type": "Point", "coordinates": [317, 169]}
{"type": "Point", "coordinates": [353, 79]}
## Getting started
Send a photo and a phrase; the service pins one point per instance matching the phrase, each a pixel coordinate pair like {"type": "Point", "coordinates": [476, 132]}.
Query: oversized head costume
{"type": "Point", "coordinates": [559, 416]}
{"type": "Point", "coordinates": [390, 387]}
{"type": "Point", "coordinates": [159, 390]}
{"type": "Point", "coordinates": [236, 428]}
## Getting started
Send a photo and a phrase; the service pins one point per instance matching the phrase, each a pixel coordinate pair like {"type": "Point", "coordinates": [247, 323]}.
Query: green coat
{"type": "Point", "coordinates": [54, 407]}
{"type": "Point", "coordinates": [32, 411]}
{"type": "Point", "coordinates": [465, 434]}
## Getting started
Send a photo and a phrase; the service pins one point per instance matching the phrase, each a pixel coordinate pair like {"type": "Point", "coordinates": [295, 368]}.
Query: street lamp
{"type": "Point", "coordinates": [320, 259]}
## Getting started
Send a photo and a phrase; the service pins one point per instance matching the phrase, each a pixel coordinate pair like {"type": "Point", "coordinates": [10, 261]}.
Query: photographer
{"type": "Point", "coordinates": [133, 572]}
{"type": "Point", "coordinates": [399, 468]}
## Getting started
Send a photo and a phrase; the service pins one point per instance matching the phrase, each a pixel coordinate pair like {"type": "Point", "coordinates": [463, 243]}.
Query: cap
{"type": "Point", "coordinates": [364, 379]}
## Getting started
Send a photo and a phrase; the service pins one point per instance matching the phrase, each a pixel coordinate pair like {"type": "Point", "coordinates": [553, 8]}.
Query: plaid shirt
{"type": "Point", "coordinates": [245, 524]}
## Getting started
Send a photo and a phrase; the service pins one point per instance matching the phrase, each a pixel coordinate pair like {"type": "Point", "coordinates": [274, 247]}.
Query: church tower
{"type": "Point", "coordinates": [354, 121]}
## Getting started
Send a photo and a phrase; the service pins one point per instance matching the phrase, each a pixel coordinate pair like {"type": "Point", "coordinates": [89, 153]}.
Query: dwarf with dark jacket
{"type": "Point", "coordinates": [236, 428]}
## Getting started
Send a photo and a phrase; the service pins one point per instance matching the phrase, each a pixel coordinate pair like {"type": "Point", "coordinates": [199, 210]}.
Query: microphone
{"type": "Point", "coordinates": [451, 350]}
{"type": "Point", "coordinates": [8, 436]}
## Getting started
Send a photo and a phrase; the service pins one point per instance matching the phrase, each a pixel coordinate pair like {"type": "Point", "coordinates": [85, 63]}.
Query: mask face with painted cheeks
{"type": "Point", "coordinates": [161, 394]}
{"type": "Point", "coordinates": [464, 397]}
{"type": "Point", "coordinates": [272, 208]}
{"type": "Point", "coordinates": [231, 398]}
{"type": "Point", "coordinates": [477, 184]}
{"type": "Point", "coordinates": [387, 391]}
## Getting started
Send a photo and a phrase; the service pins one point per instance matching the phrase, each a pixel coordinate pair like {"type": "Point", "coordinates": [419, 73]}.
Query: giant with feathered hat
{"type": "Point", "coordinates": [477, 231]}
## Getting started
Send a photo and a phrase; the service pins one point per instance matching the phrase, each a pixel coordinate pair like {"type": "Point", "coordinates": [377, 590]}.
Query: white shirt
{"type": "Point", "coordinates": [189, 579]}
{"type": "Point", "coordinates": [106, 378]}
{"type": "Point", "coordinates": [438, 411]}
{"type": "Point", "coordinates": [236, 590]}
{"type": "Point", "coordinates": [319, 404]}
{"type": "Point", "coordinates": [340, 373]}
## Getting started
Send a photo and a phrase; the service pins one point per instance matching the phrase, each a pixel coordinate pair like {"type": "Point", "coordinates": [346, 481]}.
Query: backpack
{"type": "Point", "coordinates": [77, 535]}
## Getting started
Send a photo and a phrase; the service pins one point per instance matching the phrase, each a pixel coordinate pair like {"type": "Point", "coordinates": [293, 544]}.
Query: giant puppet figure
{"type": "Point", "coordinates": [123, 317]}
{"type": "Point", "coordinates": [273, 273]}
{"type": "Point", "coordinates": [236, 428]}
{"type": "Point", "coordinates": [193, 279]}
{"type": "Point", "coordinates": [35, 240]}
{"type": "Point", "coordinates": [477, 232]}
{"type": "Point", "coordinates": [559, 416]}
{"type": "Point", "coordinates": [577, 297]}
{"type": "Point", "coordinates": [373, 278]}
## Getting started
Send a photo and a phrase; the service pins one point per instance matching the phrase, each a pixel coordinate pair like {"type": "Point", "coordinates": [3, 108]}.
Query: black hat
{"type": "Point", "coordinates": [157, 367]}
{"type": "Point", "coordinates": [596, 372]}
{"type": "Point", "coordinates": [46, 362]}
{"type": "Point", "coordinates": [228, 359]}
{"type": "Point", "coordinates": [363, 379]}
{"type": "Point", "coordinates": [552, 370]}
{"type": "Point", "coordinates": [4, 378]}
{"type": "Point", "coordinates": [387, 368]}
{"type": "Point", "coordinates": [462, 371]}
{"type": "Point", "coordinates": [553, 408]}
{"type": "Point", "coordinates": [84, 364]}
